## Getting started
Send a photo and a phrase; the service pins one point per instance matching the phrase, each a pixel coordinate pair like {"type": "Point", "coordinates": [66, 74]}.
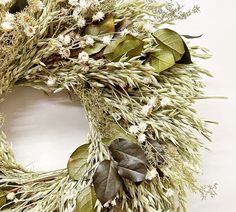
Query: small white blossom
{"type": "Point", "coordinates": [73, 2]}
{"type": "Point", "coordinates": [51, 81]}
{"type": "Point", "coordinates": [146, 109]}
{"type": "Point", "coordinates": [113, 202]}
{"type": "Point", "coordinates": [40, 5]}
{"type": "Point", "coordinates": [151, 174]}
{"type": "Point", "coordinates": [11, 196]}
{"type": "Point", "coordinates": [148, 27]}
{"type": "Point", "coordinates": [125, 32]}
{"type": "Point", "coordinates": [30, 31]}
{"type": "Point", "coordinates": [169, 192]}
{"type": "Point", "coordinates": [98, 16]}
{"type": "Point", "coordinates": [142, 137]}
{"type": "Point", "coordinates": [81, 22]}
{"type": "Point", "coordinates": [165, 101]}
{"type": "Point", "coordinates": [133, 129]}
{"type": "Point", "coordinates": [7, 26]}
{"type": "Point", "coordinates": [142, 126]}
{"type": "Point", "coordinates": [4, 2]}
{"type": "Point", "coordinates": [84, 57]}
{"type": "Point", "coordinates": [152, 102]}
{"type": "Point", "coordinates": [84, 5]}
{"type": "Point", "coordinates": [106, 39]}
{"type": "Point", "coordinates": [89, 41]}
{"type": "Point", "coordinates": [9, 17]}
{"type": "Point", "coordinates": [82, 44]}
{"type": "Point", "coordinates": [64, 52]}
{"type": "Point", "coordinates": [67, 39]}
{"type": "Point", "coordinates": [76, 13]}
{"type": "Point", "coordinates": [125, 101]}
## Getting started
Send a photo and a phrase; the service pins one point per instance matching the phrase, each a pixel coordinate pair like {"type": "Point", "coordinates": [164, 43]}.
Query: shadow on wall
{"type": "Point", "coordinates": [44, 130]}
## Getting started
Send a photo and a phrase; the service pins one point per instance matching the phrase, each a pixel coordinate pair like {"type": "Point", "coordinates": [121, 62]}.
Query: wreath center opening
{"type": "Point", "coordinates": [44, 130]}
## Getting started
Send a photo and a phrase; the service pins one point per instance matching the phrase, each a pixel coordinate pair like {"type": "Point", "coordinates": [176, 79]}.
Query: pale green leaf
{"type": "Point", "coordinates": [86, 200]}
{"type": "Point", "coordinates": [95, 49]}
{"type": "Point", "coordinates": [77, 164]}
{"type": "Point", "coordinates": [3, 199]}
{"type": "Point", "coordinates": [162, 60]}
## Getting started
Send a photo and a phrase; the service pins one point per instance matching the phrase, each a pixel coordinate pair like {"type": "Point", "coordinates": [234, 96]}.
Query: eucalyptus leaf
{"type": "Point", "coordinates": [95, 49]}
{"type": "Point", "coordinates": [127, 45]}
{"type": "Point", "coordinates": [105, 26]}
{"type": "Point", "coordinates": [86, 200]}
{"type": "Point", "coordinates": [77, 164]}
{"type": "Point", "coordinates": [18, 6]}
{"type": "Point", "coordinates": [186, 58]}
{"type": "Point", "coordinates": [106, 181]}
{"type": "Point", "coordinates": [3, 199]}
{"type": "Point", "coordinates": [172, 41]}
{"type": "Point", "coordinates": [162, 60]}
{"type": "Point", "coordinates": [131, 159]}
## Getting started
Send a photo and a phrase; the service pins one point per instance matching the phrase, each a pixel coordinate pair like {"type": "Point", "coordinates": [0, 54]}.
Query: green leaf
{"type": "Point", "coordinates": [118, 132]}
{"type": "Point", "coordinates": [127, 45]}
{"type": "Point", "coordinates": [162, 60]}
{"type": "Point", "coordinates": [186, 58]}
{"type": "Point", "coordinates": [172, 41]}
{"type": "Point", "coordinates": [105, 26]}
{"type": "Point", "coordinates": [86, 200]}
{"type": "Point", "coordinates": [131, 159]}
{"type": "Point", "coordinates": [77, 164]}
{"type": "Point", "coordinates": [3, 199]}
{"type": "Point", "coordinates": [106, 181]}
{"type": "Point", "coordinates": [18, 6]}
{"type": "Point", "coordinates": [95, 49]}
{"type": "Point", "coordinates": [191, 36]}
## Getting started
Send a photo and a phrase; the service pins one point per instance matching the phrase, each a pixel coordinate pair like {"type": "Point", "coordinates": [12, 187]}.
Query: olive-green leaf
{"type": "Point", "coordinates": [18, 6]}
{"type": "Point", "coordinates": [105, 26]}
{"type": "Point", "coordinates": [106, 181]}
{"type": "Point", "coordinates": [95, 49]}
{"type": "Point", "coordinates": [171, 40]}
{"type": "Point", "coordinates": [131, 159]}
{"type": "Point", "coordinates": [77, 164]}
{"type": "Point", "coordinates": [192, 36]}
{"type": "Point", "coordinates": [162, 60]}
{"type": "Point", "coordinates": [116, 133]}
{"type": "Point", "coordinates": [128, 45]}
{"type": "Point", "coordinates": [186, 58]}
{"type": "Point", "coordinates": [86, 200]}
{"type": "Point", "coordinates": [3, 198]}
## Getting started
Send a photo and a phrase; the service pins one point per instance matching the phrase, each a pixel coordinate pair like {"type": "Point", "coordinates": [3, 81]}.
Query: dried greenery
{"type": "Point", "coordinates": [135, 85]}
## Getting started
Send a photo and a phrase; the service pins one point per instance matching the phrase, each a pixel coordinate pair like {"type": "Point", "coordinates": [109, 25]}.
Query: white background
{"type": "Point", "coordinates": [45, 130]}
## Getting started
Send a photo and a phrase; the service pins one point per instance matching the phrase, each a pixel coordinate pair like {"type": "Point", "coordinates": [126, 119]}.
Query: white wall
{"type": "Point", "coordinates": [45, 130]}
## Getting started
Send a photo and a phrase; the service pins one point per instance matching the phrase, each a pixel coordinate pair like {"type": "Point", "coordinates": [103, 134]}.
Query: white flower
{"type": "Point", "coordinates": [81, 22]}
{"type": "Point", "coordinates": [51, 81]}
{"type": "Point", "coordinates": [30, 31]}
{"type": "Point", "coordinates": [73, 2]}
{"type": "Point", "coordinates": [4, 2]}
{"type": "Point", "coordinates": [11, 196]}
{"type": "Point", "coordinates": [83, 56]}
{"type": "Point", "coordinates": [40, 5]}
{"type": "Point", "coordinates": [98, 16]}
{"type": "Point", "coordinates": [169, 192]}
{"type": "Point", "coordinates": [152, 102]}
{"type": "Point", "coordinates": [89, 41]}
{"type": "Point", "coordinates": [165, 101]}
{"type": "Point", "coordinates": [146, 109]}
{"type": "Point", "coordinates": [142, 126]}
{"type": "Point", "coordinates": [76, 13]}
{"type": "Point", "coordinates": [82, 44]}
{"type": "Point", "coordinates": [106, 39]}
{"type": "Point", "coordinates": [7, 26]}
{"type": "Point", "coordinates": [148, 27]}
{"type": "Point", "coordinates": [142, 137]}
{"type": "Point", "coordinates": [64, 52]}
{"type": "Point", "coordinates": [133, 129]}
{"type": "Point", "coordinates": [9, 17]}
{"type": "Point", "coordinates": [151, 174]}
{"type": "Point", "coordinates": [125, 101]}
{"type": "Point", "coordinates": [67, 39]}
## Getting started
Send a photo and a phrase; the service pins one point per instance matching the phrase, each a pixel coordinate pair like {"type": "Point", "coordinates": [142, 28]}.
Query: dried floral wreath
{"type": "Point", "coordinates": [137, 83]}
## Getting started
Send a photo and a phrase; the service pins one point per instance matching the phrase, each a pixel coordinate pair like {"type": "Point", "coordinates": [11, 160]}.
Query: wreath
{"type": "Point", "coordinates": [137, 82]}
